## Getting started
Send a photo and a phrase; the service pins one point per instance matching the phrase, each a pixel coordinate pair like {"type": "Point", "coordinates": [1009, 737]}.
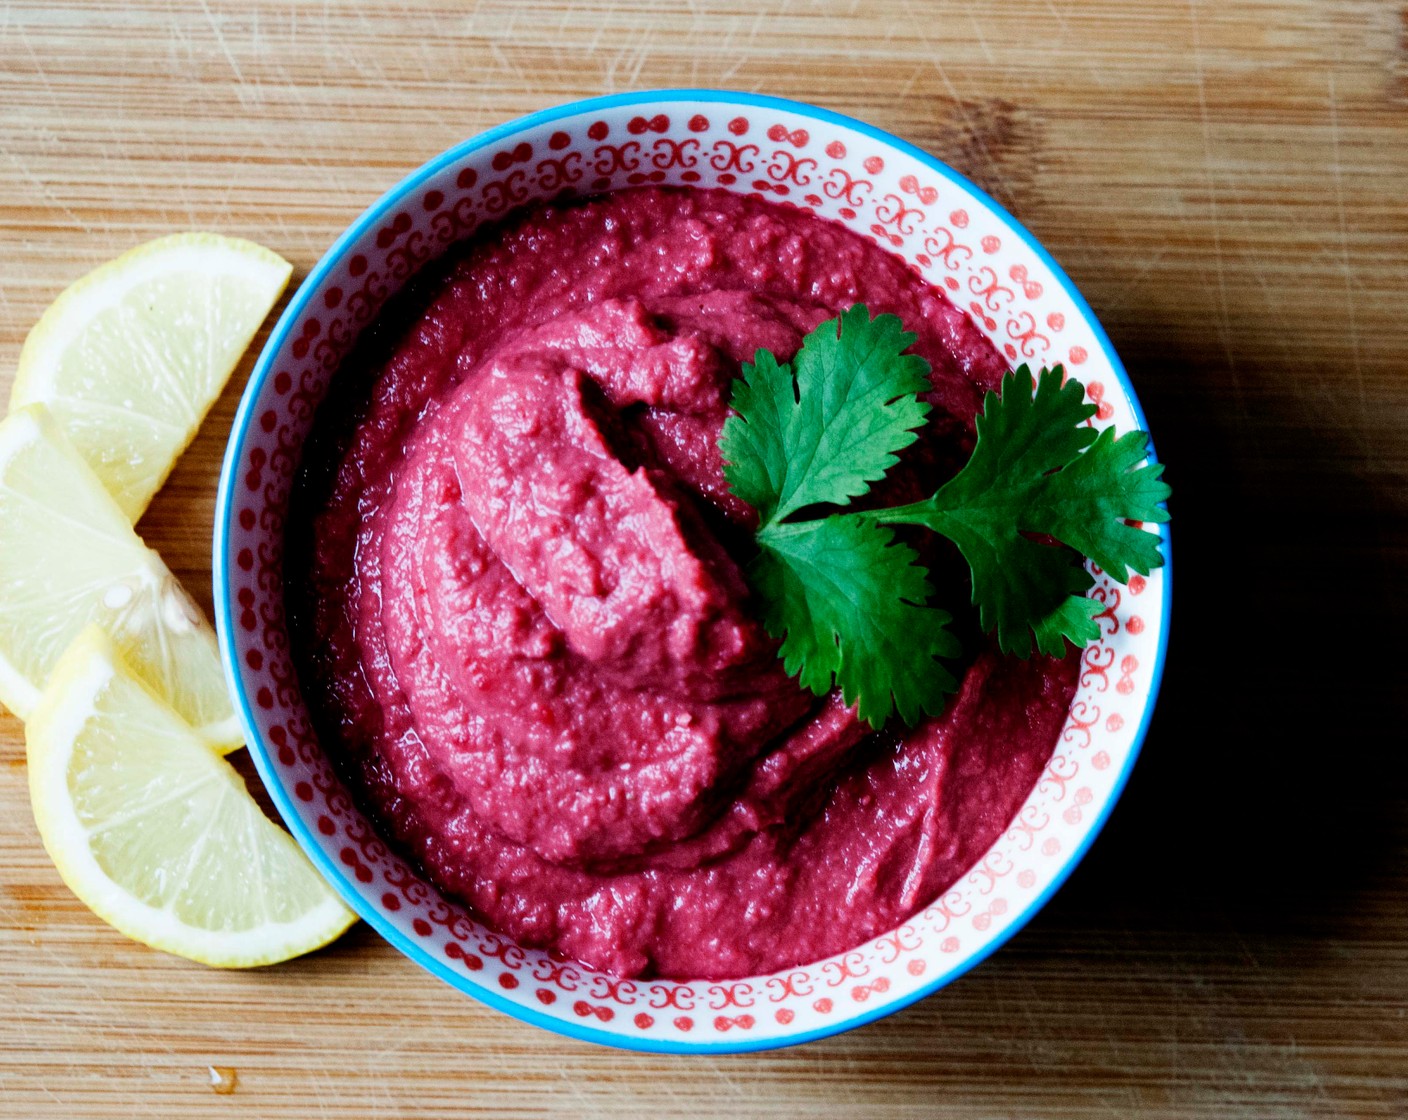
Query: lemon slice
{"type": "Point", "coordinates": [69, 556]}
{"type": "Point", "coordinates": [130, 357]}
{"type": "Point", "coordinates": [158, 836]}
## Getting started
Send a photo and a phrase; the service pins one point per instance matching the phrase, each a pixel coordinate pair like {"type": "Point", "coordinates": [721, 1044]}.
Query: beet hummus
{"type": "Point", "coordinates": [522, 627]}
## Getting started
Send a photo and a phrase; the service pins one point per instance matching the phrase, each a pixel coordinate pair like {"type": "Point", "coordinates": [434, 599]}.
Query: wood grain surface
{"type": "Point", "coordinates": [1226, 180]}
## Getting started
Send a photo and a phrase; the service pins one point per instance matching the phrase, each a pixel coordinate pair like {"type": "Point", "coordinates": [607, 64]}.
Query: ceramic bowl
{"type": "Point", "coordinates": [960, 240]}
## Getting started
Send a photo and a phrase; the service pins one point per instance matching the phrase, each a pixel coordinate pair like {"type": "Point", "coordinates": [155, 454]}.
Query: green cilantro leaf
{"type": "Point", "coordinates": [824, 432]}
{"type": "Point", "coordinates": [848, 606]}
{"type": "Point", "coordinates": [1038, 469]}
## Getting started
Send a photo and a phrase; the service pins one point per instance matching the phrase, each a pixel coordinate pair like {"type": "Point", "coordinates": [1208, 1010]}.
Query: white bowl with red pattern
{"type": "Point", "coordinates": [794, 154]}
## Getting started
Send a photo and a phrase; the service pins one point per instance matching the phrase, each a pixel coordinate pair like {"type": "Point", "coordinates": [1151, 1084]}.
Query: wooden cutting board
{"type": "Point", "coordinates": [1227, 181]}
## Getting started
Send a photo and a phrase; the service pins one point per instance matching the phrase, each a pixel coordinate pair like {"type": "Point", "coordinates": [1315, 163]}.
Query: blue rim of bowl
{"type": "Point", "coordinates": [234, 452]}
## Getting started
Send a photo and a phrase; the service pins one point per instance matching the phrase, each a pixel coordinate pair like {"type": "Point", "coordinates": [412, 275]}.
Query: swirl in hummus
{"type": "Point", "coordinates": [522, 626]}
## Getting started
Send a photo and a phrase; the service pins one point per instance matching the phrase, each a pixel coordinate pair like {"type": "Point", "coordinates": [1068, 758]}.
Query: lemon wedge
{"type": "Point", "coordinates": [155, 834]}
{"type": "Point", "coordinates": [68, 557]}
{"type": "Point", "coordinates": [130, 357]}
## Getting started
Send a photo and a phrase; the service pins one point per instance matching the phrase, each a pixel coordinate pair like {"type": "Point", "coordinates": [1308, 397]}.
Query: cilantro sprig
{"type": "Point", "coordinates": [848, 602]}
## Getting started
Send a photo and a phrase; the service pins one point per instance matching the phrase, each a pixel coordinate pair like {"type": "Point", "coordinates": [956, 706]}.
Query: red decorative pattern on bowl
{"type": "Point", "coordinates": [794, 155]}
